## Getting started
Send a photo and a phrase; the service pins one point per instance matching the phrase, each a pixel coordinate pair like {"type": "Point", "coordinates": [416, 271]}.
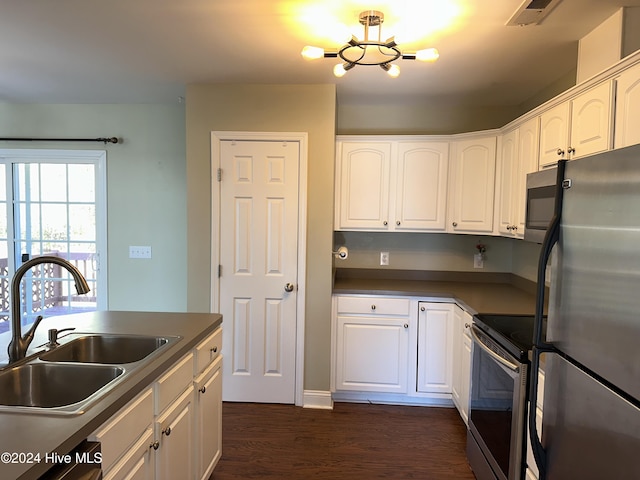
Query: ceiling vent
{"type": "Point", "coordinates": [532, 12]}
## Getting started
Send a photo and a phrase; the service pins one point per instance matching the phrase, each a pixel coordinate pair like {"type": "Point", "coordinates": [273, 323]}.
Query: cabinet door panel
{"type": "Point", "coordinates": [528, 163]}
{"type": "Point", "coordinates": [473, 186]}
{"type": "Point", "coordinates": [364, 185]}
{"type": "Point", "coordinates": [371, 354]}
{"type": "Point", "coordinates": [435, 348]}
{"type": "Point", "coordinates": [591, 121]}
{"type": "Point", "coordinates": [174, 429]}
{"type": "Point", "coordinates": [554, 134]}
{"type": "Point", "coordinates": [508, 178]}
{"type": "Point", "coordinates": [421, 186]}
{"type": "Point", "coordinates": [627, 126]}
{"type": "Point", "coordinates": [209, 420]}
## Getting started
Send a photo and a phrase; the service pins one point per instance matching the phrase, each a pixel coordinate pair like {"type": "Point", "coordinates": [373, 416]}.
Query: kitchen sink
{"type": "Point", "coordinates": [112, 349]}
{"type": "Point", "coordinates": [52, 385]}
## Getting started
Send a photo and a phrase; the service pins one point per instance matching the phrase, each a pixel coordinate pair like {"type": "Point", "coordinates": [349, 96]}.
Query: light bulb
{"type": "Point", "coordinates": [339, 70]}
{"type": "Point", "coordinates": [427, 55]}
{"type": "Point", "coordinates": [312, 53]}
{"type": "Point", "coordinates": [393, 70]}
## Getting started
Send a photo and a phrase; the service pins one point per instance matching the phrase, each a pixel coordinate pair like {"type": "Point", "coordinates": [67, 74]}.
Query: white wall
{"type": "Point", "coordinates": [146, 190]}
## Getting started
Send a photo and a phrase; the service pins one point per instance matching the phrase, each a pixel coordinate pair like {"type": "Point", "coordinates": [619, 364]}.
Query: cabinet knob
{"type": "Point", "coordinates": [398, 222]}
{"type": "Point", "coordinates": [214, 349]}
{"type": "Point", "coordinates": [560, 152]}
{"type": "Point", "coordinates": [155, 445]}
{"type": "Point", "coordinates": [373, 307]}
{"type": "Point", "coordinates": [406, 325]}
{"type": "Point", "coordinates": [455, 224]}
{"type": "Point", "coordinates": [166, 431]}
{"type": "Point", "coordinates": [509, 227]}
{"type": "Point", "coordinates": [288, 287]}
{"type": "Point", "coordinates": [514, 227]}
{"type": "Point", "coordinates": [203, 389]}
{"type": "Point", "coordinates": [385, 223]}
{"type": "Point", "coordinates": [466, 325]}
{"type": "Point", "coordinates": [571, 150]}
{"type": "Point", "coordinates": [422, 309]}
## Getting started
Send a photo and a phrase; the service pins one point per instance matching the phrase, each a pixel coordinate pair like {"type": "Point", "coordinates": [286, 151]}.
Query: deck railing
{"type": "Point", "coordinates": [47, 291]}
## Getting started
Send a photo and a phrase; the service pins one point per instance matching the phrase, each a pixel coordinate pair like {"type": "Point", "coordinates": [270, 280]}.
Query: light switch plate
{"type": "Point", "coordinates": [384, 258]}
{"type": "Point", "coordinates": [139, 251]}
{"type": "Point", "coordinates": [478, 261]}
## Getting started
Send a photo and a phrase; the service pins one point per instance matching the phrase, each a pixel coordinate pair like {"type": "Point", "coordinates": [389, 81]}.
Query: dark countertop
{"type": "Point", "coordinates": [45, 434]}
{"type": "Point", "coordinates": [475, 292]}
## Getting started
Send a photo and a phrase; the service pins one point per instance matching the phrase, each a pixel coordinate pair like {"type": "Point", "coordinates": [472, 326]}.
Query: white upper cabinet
{"type": "Point", "coordinates": [391, 185]}
{"type": "Point", "coordinates": [627, 125]}
{"type": "Point", "coordinates": [577, 128]}
{"type": "Point", "coordinates": [472, 185]}
{"type": "Point", "coordinates": [421, 186]}
{"type": "Point", "coordinates": [362, 189]}
{"type": "Point", "coordinates": [518, 156]}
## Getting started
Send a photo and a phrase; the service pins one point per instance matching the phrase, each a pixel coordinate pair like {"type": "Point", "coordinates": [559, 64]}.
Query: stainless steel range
{"type": "Point", "coordinates": [499, 387]}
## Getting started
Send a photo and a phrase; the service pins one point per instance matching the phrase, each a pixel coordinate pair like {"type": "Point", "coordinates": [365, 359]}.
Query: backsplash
{"type": "Point", "coordinates": [437, 252]}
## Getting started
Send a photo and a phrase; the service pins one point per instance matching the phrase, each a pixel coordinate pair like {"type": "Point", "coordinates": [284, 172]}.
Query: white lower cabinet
{"type": "Point", "coordinates": [208, 413]}
{"type": "Point", "coordinates": [435, 347]}
{"type": "Point", "coordinates": [173, 429]}
{"type": "Point", "coordinates": [461, 362]}
{"type": "Point", "coordinates": [371, 344]}
{"type": "Point", "coordinates": [393, 349]}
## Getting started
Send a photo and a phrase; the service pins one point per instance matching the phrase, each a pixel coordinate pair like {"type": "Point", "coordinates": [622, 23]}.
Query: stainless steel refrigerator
{"type": "Point", "coordinates": [591, 354]}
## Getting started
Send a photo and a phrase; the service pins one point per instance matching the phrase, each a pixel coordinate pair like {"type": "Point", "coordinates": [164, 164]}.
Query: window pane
{"type": "Point", "coordinates": [82, 185]}
{"type": "Point", "coordinates": [82, 222]}
{"type": "Point", "coordinates": [54, 182]}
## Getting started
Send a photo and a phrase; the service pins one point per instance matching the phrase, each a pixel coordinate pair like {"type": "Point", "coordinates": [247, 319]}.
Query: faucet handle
{"type": "Point", "coordinates": [53, 336]}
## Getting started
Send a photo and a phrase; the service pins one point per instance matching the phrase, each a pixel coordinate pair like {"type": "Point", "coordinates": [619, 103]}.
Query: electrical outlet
{"type": "Point", "coordinates": [139, 251]}
{"type": "Point", "coordinates": [478, 261]}
{"type": "Point", "coordinates": [384, 258]}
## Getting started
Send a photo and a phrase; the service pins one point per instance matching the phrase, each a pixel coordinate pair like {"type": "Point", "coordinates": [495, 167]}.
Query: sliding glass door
{"type": "Point", "coordinates": [53, 203]}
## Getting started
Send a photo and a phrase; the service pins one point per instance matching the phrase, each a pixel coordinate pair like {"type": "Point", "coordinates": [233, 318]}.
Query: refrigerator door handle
{"type": "Point", "coordinates": [550, 239]}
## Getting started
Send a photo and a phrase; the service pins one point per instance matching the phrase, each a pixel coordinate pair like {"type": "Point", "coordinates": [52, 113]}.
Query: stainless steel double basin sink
{"type": "Point", "coordinates": [69, 378]}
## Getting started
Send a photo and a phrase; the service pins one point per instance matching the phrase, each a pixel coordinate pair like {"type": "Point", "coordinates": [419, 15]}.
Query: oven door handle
{"type": "Point", "coordinates": [511, 366]}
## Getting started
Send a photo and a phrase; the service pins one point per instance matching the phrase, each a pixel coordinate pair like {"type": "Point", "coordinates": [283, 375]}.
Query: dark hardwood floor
{"type": "Point", "coordinates": [352, 441]}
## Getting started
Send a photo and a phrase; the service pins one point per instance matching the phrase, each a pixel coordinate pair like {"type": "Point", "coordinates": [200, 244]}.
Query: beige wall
{"type": "Point", "coordinates": [146, 190]}
{"type": "Point", "coordinates": [267, 108]}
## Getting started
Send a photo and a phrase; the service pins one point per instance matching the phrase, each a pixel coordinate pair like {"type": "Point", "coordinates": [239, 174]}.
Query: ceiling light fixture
{"type": "Point", "coordinates": [370, 52]}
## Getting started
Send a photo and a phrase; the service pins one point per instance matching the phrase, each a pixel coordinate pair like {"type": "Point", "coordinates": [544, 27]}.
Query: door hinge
{"type": "Point", "coordinates": [219, 174]}
{"type": "Point", "coordinates": [219, 271]}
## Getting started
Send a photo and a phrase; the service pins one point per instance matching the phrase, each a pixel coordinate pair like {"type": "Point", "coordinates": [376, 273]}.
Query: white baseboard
{"type": "Point", "coordinates": [317, 399]}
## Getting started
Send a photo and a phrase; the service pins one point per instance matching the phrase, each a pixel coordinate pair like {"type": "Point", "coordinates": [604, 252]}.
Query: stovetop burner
{"type": "Point", "coordinates": [513, 332]}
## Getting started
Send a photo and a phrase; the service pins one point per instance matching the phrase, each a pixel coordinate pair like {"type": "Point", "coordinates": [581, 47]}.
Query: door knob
{"type": "Point", "coordinates": [289, 287]}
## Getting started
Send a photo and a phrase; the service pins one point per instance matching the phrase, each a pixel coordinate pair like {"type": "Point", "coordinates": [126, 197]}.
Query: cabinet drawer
{"type": "Point", "coordinates": [208, 350]}
{"type": "Point", "coordinates": [117, 435]}
{"type": "Point", "coordinates": [373, 305]}
{"type": "Point", "coordinates": [173, 383]}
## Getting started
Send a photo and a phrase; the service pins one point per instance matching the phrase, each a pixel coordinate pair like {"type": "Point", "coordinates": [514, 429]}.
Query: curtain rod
{"type": "Point", "coordinates": [105, 140]}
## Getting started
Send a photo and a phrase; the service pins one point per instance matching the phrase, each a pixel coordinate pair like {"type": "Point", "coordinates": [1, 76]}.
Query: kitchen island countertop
{"type": "Point", "coordinates": [40, 434]}
{"type": "Point", "coordinates": [476, 293]}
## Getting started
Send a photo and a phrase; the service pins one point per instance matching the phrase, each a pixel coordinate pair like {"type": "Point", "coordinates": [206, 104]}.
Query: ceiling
{"type": "Point", "coordinates": [141, 51]}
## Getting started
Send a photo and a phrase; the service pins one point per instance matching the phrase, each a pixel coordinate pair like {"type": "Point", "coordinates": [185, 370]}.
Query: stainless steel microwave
{"type": "Point", "coordinates": [541, 188]}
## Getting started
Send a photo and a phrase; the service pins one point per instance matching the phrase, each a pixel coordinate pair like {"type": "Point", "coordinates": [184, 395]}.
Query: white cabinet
{"type": "Point", "coordinates": [518, 156]}
{"type": "Point", "coordinates": [461, 362]}
{"type": "Point", "coordinates": [627, 126]}
{"type": "Point", "coordinates": [208, 416]}
{"type": "Point", "coordinates": [472, 185]}
{"type": "Point", "coordinates": [173, 429]}
{"type": "Point", "coordinates": [391, 185]}
{"type": "Point", "coordinates": [435, 347]}
{"type": "Point", "coordinates": [371, 343]}
{"type": "Point", "coordinates": [362, 175]}
{"type": "Point", "coordinates": [579, 127]}
{"type": "Point", "coordinates": [421, 186]}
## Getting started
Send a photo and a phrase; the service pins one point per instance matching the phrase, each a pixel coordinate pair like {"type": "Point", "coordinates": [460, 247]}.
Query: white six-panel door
{"type": "Point", "coordinates": [258, 258]}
